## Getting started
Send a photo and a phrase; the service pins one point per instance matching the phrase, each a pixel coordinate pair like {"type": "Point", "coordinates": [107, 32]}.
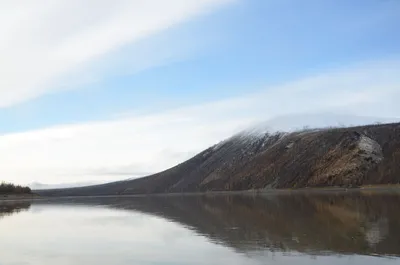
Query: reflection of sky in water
{"type": "Point", "coordinates": [83, 235]}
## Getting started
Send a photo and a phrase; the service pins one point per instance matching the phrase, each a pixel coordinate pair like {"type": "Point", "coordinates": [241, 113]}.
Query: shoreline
{"type": "Point", "coordinates": [323, 190]}
{"type": "Point", "coordinates": [18, 197]}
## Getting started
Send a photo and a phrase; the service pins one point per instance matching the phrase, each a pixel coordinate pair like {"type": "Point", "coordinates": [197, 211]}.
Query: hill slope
{"type": "Point", "coordinates": [256, 160]}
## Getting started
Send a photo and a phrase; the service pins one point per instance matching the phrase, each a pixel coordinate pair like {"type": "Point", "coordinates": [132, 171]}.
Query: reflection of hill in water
{"type": "Point", "coordinates": [314, 224]}
{"type": "Point", "coordinates": [10, 208]}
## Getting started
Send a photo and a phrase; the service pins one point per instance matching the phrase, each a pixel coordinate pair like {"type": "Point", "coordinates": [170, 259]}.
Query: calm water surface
{"type": "Point", "coordinates": [280, 229]}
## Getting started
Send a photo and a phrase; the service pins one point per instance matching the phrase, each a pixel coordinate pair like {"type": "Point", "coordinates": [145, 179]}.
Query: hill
{"type": "Point", "coordinates": [253, 159]}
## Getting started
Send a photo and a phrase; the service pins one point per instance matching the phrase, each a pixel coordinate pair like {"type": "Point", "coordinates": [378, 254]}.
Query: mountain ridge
{"type": "Point", "coordinates": [346, 157]}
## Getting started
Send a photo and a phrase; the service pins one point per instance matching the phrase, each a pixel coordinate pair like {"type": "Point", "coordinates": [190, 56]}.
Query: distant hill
{"type": "Point", "coordinates": [43, 186]}
{"type": "Point", "coordinates": [255, 159]}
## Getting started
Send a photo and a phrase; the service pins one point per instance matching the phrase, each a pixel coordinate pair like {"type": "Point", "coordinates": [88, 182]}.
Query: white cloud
{"type": "Point", "coordinates": [43, 42]}
{"type": "Point", "coordinates": [108, 150]}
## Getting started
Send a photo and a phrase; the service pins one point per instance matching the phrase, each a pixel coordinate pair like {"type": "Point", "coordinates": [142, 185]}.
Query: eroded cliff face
{"type": "Point", "coordinates": [345, 157]}
{"type": "Point", "coordinates": [347, 163]}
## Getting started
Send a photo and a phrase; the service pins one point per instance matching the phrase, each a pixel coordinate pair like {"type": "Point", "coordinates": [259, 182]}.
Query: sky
{"type": "Point", "coordinates": [100, 90]}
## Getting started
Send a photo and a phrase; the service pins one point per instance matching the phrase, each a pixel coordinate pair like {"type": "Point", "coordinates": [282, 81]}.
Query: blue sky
{"type": "Point", "coordinates": [69, 66]}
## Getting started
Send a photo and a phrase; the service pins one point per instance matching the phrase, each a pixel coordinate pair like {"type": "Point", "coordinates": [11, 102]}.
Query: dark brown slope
{"type": "Point", "coordinates": [332, 157]}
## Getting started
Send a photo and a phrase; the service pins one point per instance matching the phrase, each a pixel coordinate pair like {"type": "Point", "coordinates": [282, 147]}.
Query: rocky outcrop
{"type": "Point", "coordinates": [346, 157]}
{"type": "Point", "coordinates": [347, 163]}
